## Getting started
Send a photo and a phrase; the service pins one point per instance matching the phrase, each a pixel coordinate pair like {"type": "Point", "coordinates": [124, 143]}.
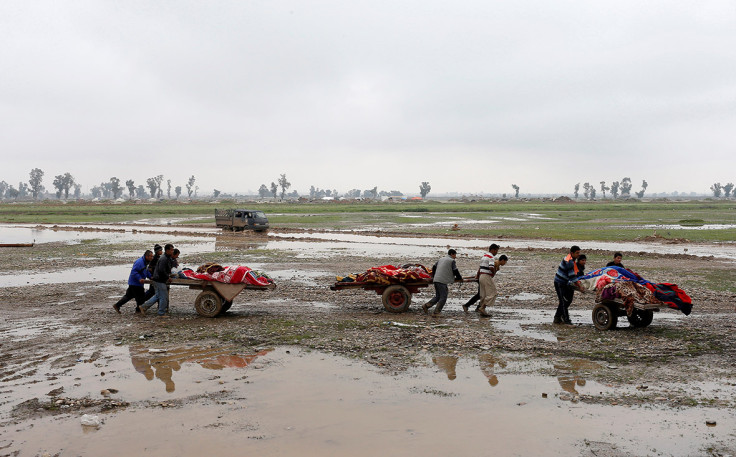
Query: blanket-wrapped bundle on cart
{"type": "Point", "coordinates": [611, 283]}
{"type": "Point", "coordinates": [230, 275]}
{"type": "Point", "coordinates": [390, 274]}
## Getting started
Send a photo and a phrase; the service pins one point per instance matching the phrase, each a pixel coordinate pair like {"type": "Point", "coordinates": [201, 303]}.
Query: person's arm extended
{"type": "Point", "coordinates": [456, 272]}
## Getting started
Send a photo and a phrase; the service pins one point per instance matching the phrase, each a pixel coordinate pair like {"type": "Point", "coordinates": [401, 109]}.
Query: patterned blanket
{"type": "Point", "coordinates": [389, 274]}
{"type": "Point", "coordinates": [229, 275]}
{"type": "Point", "coordinates": [615, 282]}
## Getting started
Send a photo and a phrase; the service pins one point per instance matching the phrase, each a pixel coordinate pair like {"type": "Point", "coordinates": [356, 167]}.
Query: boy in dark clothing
{"type": "Point", "coordinates": [616, 262]}
{"type": "Point", "coordinates": [138, 274]}
{"type": "Point", "coordinates": [582, 260]}
{"type": "Point", "coordinates": [567, 271]}
{"type": "Point", "coordinates": [160, 277]}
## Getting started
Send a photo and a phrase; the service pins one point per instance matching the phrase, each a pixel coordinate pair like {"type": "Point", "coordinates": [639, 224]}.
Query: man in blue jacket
{"type": "Point", "coordinates": [567, 272]}
{"type": "Point", "coordinates": [138, 274]}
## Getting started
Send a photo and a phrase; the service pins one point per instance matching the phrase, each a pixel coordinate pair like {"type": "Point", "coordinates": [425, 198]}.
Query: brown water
{"type": "Point", "coordinates": [196, 401]}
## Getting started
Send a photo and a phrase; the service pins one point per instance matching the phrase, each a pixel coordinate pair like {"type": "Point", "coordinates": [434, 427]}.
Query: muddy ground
{"type": "Point", "coordinates": [677, 362]}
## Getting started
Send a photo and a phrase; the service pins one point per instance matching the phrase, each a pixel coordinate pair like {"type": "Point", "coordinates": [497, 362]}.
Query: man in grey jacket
{"type": "Point", "coordinates": [444, 272]}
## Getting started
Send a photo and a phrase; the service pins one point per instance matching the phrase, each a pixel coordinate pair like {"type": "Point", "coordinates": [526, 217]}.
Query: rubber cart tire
{"type": "Point", "coordinates": [604, 318]}
{"type": "Point", "coordinates": [208, 303]}
{"type": "Point", "coordinates": [641, 318]}
{"type": "Point", "coordinates": [396, 299]}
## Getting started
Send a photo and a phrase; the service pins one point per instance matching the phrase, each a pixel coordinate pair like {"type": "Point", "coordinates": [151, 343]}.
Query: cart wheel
{"type": "Point", "coordinates": [396, 299]}
{"type": "Point", "coordinates": [226, 306]}
{"type": "Point", "coordinates": [603, 317]}
{"type": "Point", "coordinates": [641, 318]}
{"type": "Point", "coordinates": [208, 304]}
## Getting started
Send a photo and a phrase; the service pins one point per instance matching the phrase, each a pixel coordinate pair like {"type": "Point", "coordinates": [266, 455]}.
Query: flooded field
{"type": "Point", "coordinates": [309, 371]}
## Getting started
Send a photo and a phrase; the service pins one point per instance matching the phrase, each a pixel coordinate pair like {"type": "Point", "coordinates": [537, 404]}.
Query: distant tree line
{"type": "Point", "coordinates": [65, 185]}
{"type": "Point", "coordinates": [725, 191]}
{"type": "Point", "coordinates": [617, 189]}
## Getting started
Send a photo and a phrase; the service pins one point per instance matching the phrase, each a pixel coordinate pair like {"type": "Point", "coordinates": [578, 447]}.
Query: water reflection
{"type": "Point", "coordinates": [572, 379]}
{"type": "Point", "coordinates": [162, 365]}
{"type": "Point", "coordinates": [569, 382]}
{"type": "Point", "coordinates": [446, 363]}
{"type": "Point", "coordinates": [486, 362]}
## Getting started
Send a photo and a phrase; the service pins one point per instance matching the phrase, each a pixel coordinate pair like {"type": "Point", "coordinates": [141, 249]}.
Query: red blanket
{"type": "Point", "coordinates": [389, 274]}
{"type": "Point", "coordinates": [232, 275]}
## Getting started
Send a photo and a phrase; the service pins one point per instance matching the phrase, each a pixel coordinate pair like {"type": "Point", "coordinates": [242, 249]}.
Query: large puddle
{"type": "Point", "coordinates": [195, 401]}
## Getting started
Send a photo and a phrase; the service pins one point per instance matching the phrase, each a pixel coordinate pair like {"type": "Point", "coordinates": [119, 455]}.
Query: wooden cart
{"type": "Point", "coordinates": [607, 312]}
{"type": "Point", "coordinates": [216, 297]}
{"type": "Point", "coordinates": [396, 297]}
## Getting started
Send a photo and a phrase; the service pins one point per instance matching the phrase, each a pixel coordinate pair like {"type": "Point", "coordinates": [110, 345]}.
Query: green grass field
{"type": "Point", "coordinates": [588, 221]}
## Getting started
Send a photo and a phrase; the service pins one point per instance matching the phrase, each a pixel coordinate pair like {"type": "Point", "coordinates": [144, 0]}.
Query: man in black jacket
{"type": "Point", "coordinates": [160, 278]}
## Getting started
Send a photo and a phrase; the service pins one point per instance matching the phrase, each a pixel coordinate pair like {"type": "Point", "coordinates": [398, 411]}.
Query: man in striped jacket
{"type": "Point", "coordinates": [567, 271]}
{"type": "Point", "coordinates": [486, 284]}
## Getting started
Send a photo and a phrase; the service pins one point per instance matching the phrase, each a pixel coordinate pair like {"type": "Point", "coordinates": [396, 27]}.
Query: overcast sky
{"type": "Point", "coordinates": [471, 96]}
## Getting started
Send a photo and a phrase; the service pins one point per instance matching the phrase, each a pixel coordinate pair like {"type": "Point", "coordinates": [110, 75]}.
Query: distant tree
{"type": "Point", "coordinates": [69, 183]}
{"type": "Point", "coordinates": [96, 192]}
{"type": "Point", "coordinates": [516, 190]}
{"type": "Point", "coordinates": [717, 188]}
{"type": "Point", "coordinates": [77, 191]}
{"type": "Point", "coordinates": [106, 189]}
{"type": "Point", "coordinates": [23, 190]}
{"type": "Point", "coordinates": [159, 181]}
{"type": "Point", "coordinates": [3, 188]}
{"type": "Point", "coordinates": [424, 189]}
{"type": "Point", "coordinates": [168, 189]}
{"type": "Point", "coordinates": [577, 190]}
{"type": "Point", "coordinates": [131, 188]}
{"type": "Point", "coordinates": [63, 184]}
{"type": "Point", "coordinates": [152, 186]}
{"type": "Point", "coordinates": [196, 189]}
{"type": "Point", "coordinates": [727, 189]}
{"type": "Point", "coordinates": [294, 194]}
{"type": "Point", "coordinates": [284, 184]}
{"type": "Point", "coordinates": [592, 192]}
{"type": "Point", "coordinates": [604, 188]}
{"type": "Point", "coordinates": [190, 185]}
{"type": "Point", "coordinates": [177, 191]}
{"type": "Point", "coordinates": [141, 191]}
{"type": "Point", "coordinates": [626, 187]}
{"type": "Point", "coordinates": [644, 186]}
{"type": "Point", "coordinates": [36, 178]}
{"type": "Point", "coordinates": [587, 188]}
{"type": "Point", "coordinates": [614, 189]}
{"type": "Point", "coordinates": [371, 193]}
{"type": "Point", "coordinates": [116, 188]}
{"type": "Point", "coordinates": [216, 193]}
{"type": "Point", "coordinates": [263, 191]}
{"type": "Point", "coordinates": [274, 189]}
{"type": "Point", "coordinates": [312, 192]}
{"type": "Point", "coordinates": [12, 192]}
{"type": "Point", "coordinates": [353, 193]}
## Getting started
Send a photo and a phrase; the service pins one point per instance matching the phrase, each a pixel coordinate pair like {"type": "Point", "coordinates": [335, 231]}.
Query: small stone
{"type": "Point", "coordinates": [544, 395]}
{"type": "Point", "coordinates": [710, 423]}
{"type": "Point", "coordinates": [105, 393]}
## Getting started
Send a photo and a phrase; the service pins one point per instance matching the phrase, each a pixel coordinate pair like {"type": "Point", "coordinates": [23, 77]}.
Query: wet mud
{"type": "Point", "coordinates": [309, 371]}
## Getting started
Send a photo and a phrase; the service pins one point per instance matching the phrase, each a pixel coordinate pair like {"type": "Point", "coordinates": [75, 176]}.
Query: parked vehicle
{"type": "Point", "coordinates": [241, 219]}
